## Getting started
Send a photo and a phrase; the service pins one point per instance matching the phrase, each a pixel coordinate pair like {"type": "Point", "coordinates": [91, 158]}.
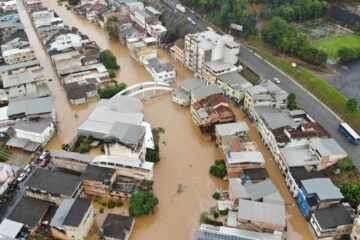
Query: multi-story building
{"type": "Point", "coordinates": [333, 222]}
{"type": "Point", "coordinates": [209, 46]}
{"type": "Point", "coordinates": [53, 186]}
{"type": "Point", "coordinates": [234, 85]}
{"type": "Point", "coordinates": [160, 71]}
{"type": "Point", "coordinates": [317, 193]}
{"type": "Point", "coordinates": [33, 4]}
{"type": "Point", "coordinates": [66, 40]}
{"type": "Point", "coordinates": [18, 55]}
{"type": "Point", "coordinates": [75, 217]}
{"type": "Point", "coordinates": [247, 157]}
{"type": "Point", "coordinates": [142, 49]}
{"type": "Point", "coordinates": [264, 94]}
{"type": "Point", "coordinates": [212, 69]}
{"type": "Point", "coordinates": [18, 39]}
{"type": "Point", "coordinates": [177, 51]}
{"type": "Point", "coordinates": [212, 110]}
{"type": "Point", "coordinates": [9, 27]}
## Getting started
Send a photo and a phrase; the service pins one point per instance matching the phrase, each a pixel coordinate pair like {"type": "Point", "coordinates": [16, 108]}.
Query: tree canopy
{"type": "Point", "coordinates": [142, 203]}
{"type": "Point", "coordinates": [108, 59]}
{"type": "Point", "coordinates": [292, 105]}
{"type": "Point", "coordinates": [111, 26]}
{"type": "Point", "coordinates": [225, 12]}
{"type": "Point", "coordinates": [352, 104]}
{"type": "Point", "coordinates": [351, 192]}
{"type": "Point", "coordinates": [218, 169]}
{"type": "Point", "coordinates": [286, 38]}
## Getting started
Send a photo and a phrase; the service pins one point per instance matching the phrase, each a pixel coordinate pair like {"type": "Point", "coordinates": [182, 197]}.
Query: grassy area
{"type": "Point", "coordinates": [250, 75]}
{"type": "Point", "coordinates": [321, 89]}
{"type": "Point", "coordinates": [332, 45]}
{"type": "Point", "coordinates": [5, 154]}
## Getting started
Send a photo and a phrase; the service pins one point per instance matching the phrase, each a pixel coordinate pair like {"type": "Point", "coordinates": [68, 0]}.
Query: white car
{"type": "Point", "coordinates": [22, 176]}
{"type": "Point", "coordinates": [277, 80]}
{"type": "Point", "coordinates": [44, 155]}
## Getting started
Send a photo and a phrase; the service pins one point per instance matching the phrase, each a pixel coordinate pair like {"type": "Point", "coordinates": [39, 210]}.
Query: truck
{"type": "Point", "coordinates": [181, 8]}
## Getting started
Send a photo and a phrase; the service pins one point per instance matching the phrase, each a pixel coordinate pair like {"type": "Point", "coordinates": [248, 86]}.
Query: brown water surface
{"type": "Point", "coordinates": [182, 182]}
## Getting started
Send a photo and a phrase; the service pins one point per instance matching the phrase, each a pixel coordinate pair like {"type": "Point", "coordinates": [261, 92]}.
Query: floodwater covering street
{"type": "Point", "coordinates": [182, 182]}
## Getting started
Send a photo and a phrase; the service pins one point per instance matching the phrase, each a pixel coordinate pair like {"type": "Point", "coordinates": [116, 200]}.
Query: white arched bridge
{"type": "Point", "coordinates": [147, 90]}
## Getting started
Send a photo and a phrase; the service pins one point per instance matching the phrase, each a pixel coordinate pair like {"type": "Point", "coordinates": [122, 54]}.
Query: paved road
{"type": "Point", "coordinates": [305, 100]}
{"type": "Point", "coordinates": [319, 112]}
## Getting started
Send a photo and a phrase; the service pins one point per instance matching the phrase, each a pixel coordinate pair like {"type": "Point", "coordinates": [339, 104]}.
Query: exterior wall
{"type": "Point", "coordinates": [93, 188]}
{"type": "Point", "coordinates": [46, 196]}
{"type": "Point", "coordinates": [69, 164]}
{"type": "Point", "coordinates": [355, 234]}
{"type": "Point", "coordinates": [42, 138]}
{"type": "Point", "coordinates": [290, 182]}
{"type": "Point", "coordinates": [21, 90]}
{"type": "Point", "coordinates": [80, 232]}
{"type": "Point", "coordinates": [165, 77]}
{"type": "Point", "coordinates": [178, 54]}
{"type": "Point", "coordinates": [121, 150]}
{"type": "Point", "coordinates": [334, 233]}
{"type": "Point", "coordinates": [19, 57]}
{"type": "Point", "coordinates": [237, 95]}
{"type": "Point", "coordinates": [66, 41]}
{"type": "Point", "coordinates": [236, 170]}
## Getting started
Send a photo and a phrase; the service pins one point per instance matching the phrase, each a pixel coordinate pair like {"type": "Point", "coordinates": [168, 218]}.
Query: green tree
{"type": "Point", "coordinates": [112, 27]}
{"type": "Point", "coordinates": [345, 164]}
{"type": "Point", "coordinates": [109, 91]}
{"type": "Point", "coordinates": [74, 2]}
{"type": "Point", "coordinates": [108, 59]}
{"type": "Point", "coordinates": [347, 54]}
{"type": "Point", "coordinates": [288, 12]}
{"type": "Point", "coordinates": [216, 195]}
{"type": "Point", "coordinates": [352, 104]}
{"type": "Point", "coordinates": [218, 169]}
{"type": "Point", "coordinates": [142, 203]}
{"type": "Point", "coordinates": [153, 155]}
{"type": "Point", "coordinates": [351, 192]}
{"type": "Point", "coordinates": [279, 32]}
{"type": "Point", "coordinates": [291, 99]}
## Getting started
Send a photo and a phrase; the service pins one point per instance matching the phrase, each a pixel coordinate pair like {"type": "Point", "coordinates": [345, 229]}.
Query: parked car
{"type": "Point", "coordinates": [22, 176]}
{"type": "Point", "coordinates": [276, 80]}
{"type": "Point", "coordinates": [44, 155]}
{"type": "Point", "coordinates": [44, 162]}
{"type": "Point", "coordinates": [27, 168]}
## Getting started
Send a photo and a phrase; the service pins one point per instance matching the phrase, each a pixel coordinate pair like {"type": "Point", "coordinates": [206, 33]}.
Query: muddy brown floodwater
{"type": "Point", "coordinates": [182, 182]}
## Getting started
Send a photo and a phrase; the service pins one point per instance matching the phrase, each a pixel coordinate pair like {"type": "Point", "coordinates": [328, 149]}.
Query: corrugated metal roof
{"type": "Point", "coordinates": [261, 212]}
{"type": "Point", "coordinates": [324, 188]}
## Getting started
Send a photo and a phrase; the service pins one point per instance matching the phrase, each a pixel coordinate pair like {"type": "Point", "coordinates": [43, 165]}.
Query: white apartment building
{"type": "Point", "coordinates": [264, 94]}
{"type": "Point", "coordinates": [209, 46]}
{"type": "Point", "coordinates": [66, 40]}
{"type": "Point", "coordinates": [160, 71]}
{"type": "Point", "coordinates": [18, 55]}
{"type": "Point", "coordinates": [40, 131]}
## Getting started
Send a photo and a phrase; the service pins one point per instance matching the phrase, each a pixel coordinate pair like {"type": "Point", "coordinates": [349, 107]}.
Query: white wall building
{"type": "Point", "coordinates": [160, 71]}
{"type": "Point", "coordinates": [209, 46]}
{"type": "Point", "coordinates": [66, 40]}
{"type": "Point", "coordinates": [18, 55]}
{"type": "Point", "coordinates": [40, 131]}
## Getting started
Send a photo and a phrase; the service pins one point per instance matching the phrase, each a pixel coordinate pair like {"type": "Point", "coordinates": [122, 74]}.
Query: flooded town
{"type": "Point", "coordinates": [109, 130]}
